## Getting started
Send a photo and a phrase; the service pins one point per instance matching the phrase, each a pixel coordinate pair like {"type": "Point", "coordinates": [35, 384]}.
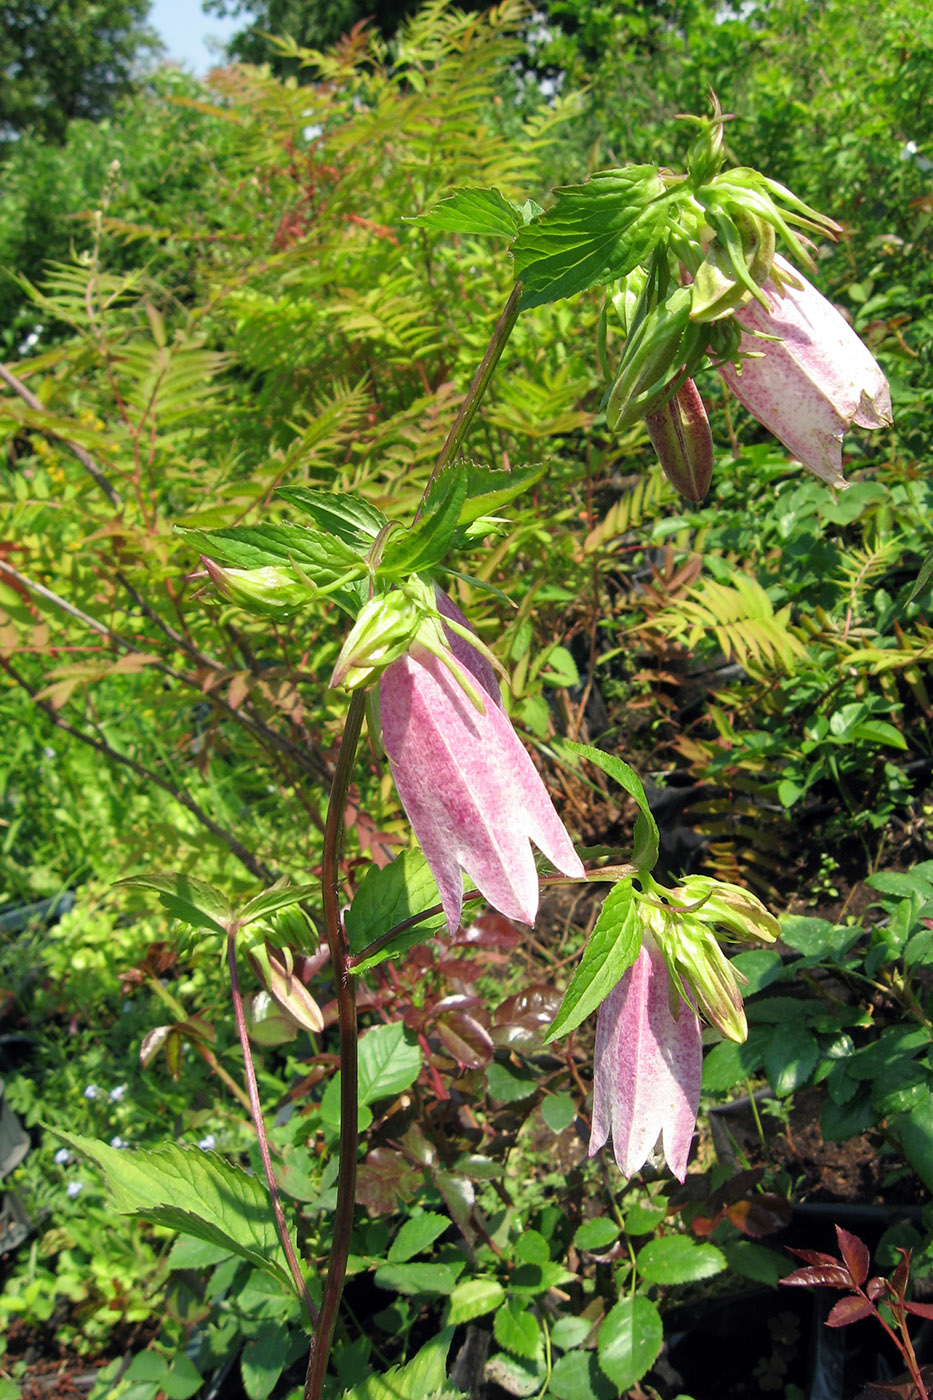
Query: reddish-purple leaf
{"type": "Point", "coordinates": [760, 1215]}
{"type": "Point", "coordinates": [854, 1253]}
{"type": "Point", "coordinates": [920, 1309]}
{"type": "Point", "coordinates": [901, 1389]}
{"type": "Point", "coordinates": [875, 1287]}
{"type": "Point", "coordinates": [813, 1256]}
{"type": "Point", "coordinates": [490, 930]}
{"type": "Point", "coordinates": [384, 1180]}
{"type": "Point", "coordinates": [820, 1276]}
{"type": "Point", "coordinates": [458, 1001]}
{"type": "Point", "coordinates": [465, 1039]}
{"type": "Point", "coordinates": [849, 1310]}
{"type": "Point", "coordinates": [901, 1275]}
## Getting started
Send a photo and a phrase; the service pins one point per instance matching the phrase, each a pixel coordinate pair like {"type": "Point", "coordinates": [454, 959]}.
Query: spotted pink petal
{"type": "Point", "coordinates": [647, 1069]}
{"type": "Point", "coordinates": [810, 387]}
{"type": "Point", "coordinates": [471, 792]}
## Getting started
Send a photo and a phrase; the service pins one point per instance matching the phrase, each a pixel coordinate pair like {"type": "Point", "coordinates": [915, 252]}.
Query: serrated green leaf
{"type": "Point", "coordinates": [728, 1064]}
{"type": "Point", "coordinates": [355, 522]}
{"type": "Point", "coordinates": [647, 838]}
{"type": "Point", "coordinates": [644, 1220]}
{"type": "Point", "coordinates": [923, 579]}
{"type": "Point", "coordinates": [592, 235]}
{"type": "Point", "coordinates": [321, 558]}
{"type": "Point", "coordinates": [842, 1120]}
{"type": "Point", "coordinates": [612, 947]}
{"type": "Point", "coordinates": [558, 1112]}
{"type": "Point", "coordinates": [262, 1360]}
{"type": "Point", "coordinates": [755, 1261]}
{"type": "Point", "coordinates": [518, 1330]}
{"type": "Point", "coordinates": [387, 897]}
{"type": "Point", "coordinates": [915, 1130]}
{"type": "Point", "coordinates": [270, 901]}
{"type": "Point", "coordinates": [577, 1376]}
{"type": "Point", "coordinates": [416, 1235]}
{"type": "Point", "coordinates": [192, 1191]}
{"type": "Point", "coordinates": [596, 1235]}
{"type": "Point", "coordinates": [192, 901]}
{"type": "Point", "coordinates": [569, 1332]}
{"type": "Point", "coordinates": [509, 1085]}
{"type": "Point", "coordinates": [488, 489]}
{"type": "Point", "coordinates": [630, 1340]}
{"type": "Point", "coordinates": [424, 1376]}
{"type": "Point", "coordinates": [790, 1057]}
{"type": "Point", "coordinates": [759, 967]}
{"type": "Point", "coordinates": [389, 1063]}
{"type": "Point", "coordinates": [416, 1278]}
{"type": "Point", "coordinates": [678, 1259]}
{"type": "Point", "coordinates": [425, 545]}
{"type": "Point", "coordinates": [474, 210]}
{"type": "Point", "coordinates": [474, 1298]}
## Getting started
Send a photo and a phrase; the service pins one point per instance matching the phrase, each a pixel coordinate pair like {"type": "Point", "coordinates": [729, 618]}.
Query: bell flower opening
{"type": "Point", "coordinates": [648, 1064]}
{"type": "Point", "coordinates": [805, 374]}
{"type": "Point", "coordinates": [472, 794]}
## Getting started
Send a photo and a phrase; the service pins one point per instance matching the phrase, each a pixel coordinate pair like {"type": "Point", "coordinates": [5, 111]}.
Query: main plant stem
{"type": "Point", "coordinates": [330, 886]}
{"type": "Point", "coordinates": [484, 372]}
{"type": "Point", "coordinates": [345, 987]}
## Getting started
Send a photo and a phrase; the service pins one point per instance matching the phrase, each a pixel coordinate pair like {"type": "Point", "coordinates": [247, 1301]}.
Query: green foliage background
{"type": "Point", "coordinates": [217, 292]}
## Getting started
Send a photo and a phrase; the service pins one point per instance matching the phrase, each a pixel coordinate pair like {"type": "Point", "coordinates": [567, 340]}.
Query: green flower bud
{"type": "Point", "coordinates": [271, 591]}
{"type": "Point", "coordinates": [739, 260]}
{"type": "Point", "coordinates": [707, 973]}
{"type": "Point", "coordinates": [707, 151]}
{"type": "Point", "coordinates": [627, 295]}
{"type": "Point", "coordinates": [736, 911]}
{"type": "Point", "coordinates": [384, 631]}
{"type": "Point", "coordinates": [658, 357]}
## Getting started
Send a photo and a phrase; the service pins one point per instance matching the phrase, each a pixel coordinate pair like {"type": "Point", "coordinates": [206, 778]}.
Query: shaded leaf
{"type": "Point", "coordinates": [848, 1310]}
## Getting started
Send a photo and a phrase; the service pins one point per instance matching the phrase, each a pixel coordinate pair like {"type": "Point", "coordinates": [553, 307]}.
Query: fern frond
{"type": "Point", "coordinates": [740, 618]}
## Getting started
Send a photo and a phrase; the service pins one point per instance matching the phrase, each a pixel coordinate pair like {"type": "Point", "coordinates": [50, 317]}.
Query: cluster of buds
{"type": "Point", "coordinates": [717, 292]}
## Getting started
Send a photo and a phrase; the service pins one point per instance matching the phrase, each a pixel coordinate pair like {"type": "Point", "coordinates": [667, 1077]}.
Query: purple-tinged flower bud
{"type": "Point", "coordinates": [270, 590]}
{"type": "Point", "coordinates": [680, 433]}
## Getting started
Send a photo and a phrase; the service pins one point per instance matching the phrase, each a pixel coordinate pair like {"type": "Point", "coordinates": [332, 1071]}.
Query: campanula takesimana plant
{"type": "Point", "coordinates": [689, 265]}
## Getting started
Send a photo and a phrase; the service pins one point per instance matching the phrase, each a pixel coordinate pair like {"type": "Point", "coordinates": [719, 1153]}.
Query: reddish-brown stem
{"type": "Point", "coordinates": [345, 988]}
{"type": "Point", "coordinates": [255, 1108]}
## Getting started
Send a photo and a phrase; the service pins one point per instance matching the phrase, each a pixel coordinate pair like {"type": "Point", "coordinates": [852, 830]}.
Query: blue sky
{"type": "Point", "coordinates": [185, 29]}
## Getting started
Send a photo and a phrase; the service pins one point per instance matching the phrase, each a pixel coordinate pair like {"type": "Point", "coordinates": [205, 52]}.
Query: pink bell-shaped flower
{"type": "Point", "coordinates": [647, 1068]}
{"type": "Point", "coordinates": [471, 792]}
{"type": "Point", "coordinates": [810, 386]}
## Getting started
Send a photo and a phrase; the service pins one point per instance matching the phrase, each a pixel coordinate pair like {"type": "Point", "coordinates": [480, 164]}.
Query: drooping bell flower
{"type": "Point", "coordinates": [809, 386]}
{"type": "Point", "coordinates": [472, 794]}
{"type": "Point", "coordinates": [647, 1067]}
